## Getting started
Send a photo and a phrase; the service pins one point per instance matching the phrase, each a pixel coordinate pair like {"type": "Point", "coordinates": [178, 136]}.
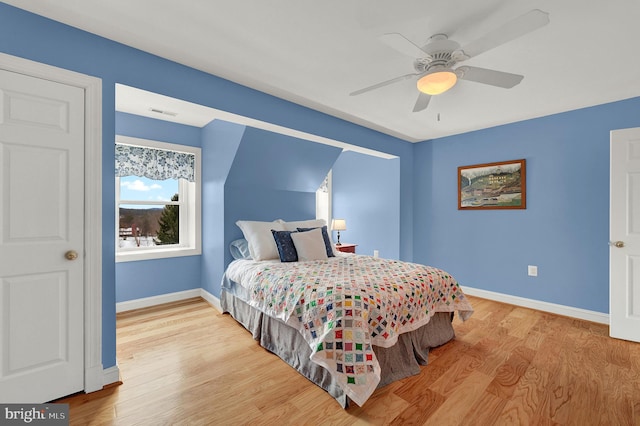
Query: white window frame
{"type": "Point", "coordinates": [190, 212]}
{"type": "Point", "coordinates": [324, 201]}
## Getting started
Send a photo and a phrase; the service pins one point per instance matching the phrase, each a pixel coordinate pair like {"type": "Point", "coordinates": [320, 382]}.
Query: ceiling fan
{"type": "Point", "coordinates": [435, 61]}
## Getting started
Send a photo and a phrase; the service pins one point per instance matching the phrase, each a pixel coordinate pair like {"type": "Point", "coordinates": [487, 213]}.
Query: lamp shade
{"type": "Point", "coordinates": [437, 81]}
{"type": "Point", "coordinates": [338, 225]}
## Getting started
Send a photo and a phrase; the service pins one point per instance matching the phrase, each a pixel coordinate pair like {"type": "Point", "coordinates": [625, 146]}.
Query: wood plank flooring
{"type": "Point", "coordinates": [186, 364]}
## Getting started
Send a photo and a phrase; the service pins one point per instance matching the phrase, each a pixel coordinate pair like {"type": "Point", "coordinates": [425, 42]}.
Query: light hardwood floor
{"type": "Point", "coordinates": [186, 364]}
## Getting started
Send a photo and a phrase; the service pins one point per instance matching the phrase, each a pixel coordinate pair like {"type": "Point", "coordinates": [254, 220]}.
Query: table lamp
{"type": "Point", "coordinates": [338, 225]}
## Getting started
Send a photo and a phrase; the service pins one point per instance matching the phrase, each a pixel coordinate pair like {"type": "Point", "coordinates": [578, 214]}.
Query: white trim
{"type": "Point", "coordinates": [111, 375]}
{"type": "Point", "coordinates": [92, 86]}
{"type": "Point", "coordinates": [146, 302]}
{"type": "Point", "coordinates": [213, 301]}
{"type": "Point", "coordinates": [567, 311]}
{"type": "Point", "coordinates": [153, 253]}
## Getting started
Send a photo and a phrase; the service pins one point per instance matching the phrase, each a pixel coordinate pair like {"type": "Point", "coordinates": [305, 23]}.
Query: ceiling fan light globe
{"type": "Point", "coordinates": [437, 82]}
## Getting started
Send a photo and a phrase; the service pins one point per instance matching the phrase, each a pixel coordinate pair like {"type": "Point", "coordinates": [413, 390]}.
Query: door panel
{"type": "Point", "coordinates": [41, 219]}
{"type": "Point", "coordinates": [44, 321]}
{"type": "Point", "coordinates": [625, 235]}
{"type": "Point", "coordinates": [24, 220]}
{"type": "Point", "coordinates": [24, 109]}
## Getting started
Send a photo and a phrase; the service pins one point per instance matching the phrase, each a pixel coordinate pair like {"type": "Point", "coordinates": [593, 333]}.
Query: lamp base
{"type": "Point", "coordinates": [338, 243]}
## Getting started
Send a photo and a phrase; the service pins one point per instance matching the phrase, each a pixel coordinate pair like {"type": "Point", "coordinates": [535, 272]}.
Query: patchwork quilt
{"type": "Point", "coordinates": [344, 305]}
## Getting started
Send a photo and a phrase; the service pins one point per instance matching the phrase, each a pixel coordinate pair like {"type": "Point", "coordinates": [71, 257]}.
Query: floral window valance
{"type": "Point", "coordinates": [154, 163]}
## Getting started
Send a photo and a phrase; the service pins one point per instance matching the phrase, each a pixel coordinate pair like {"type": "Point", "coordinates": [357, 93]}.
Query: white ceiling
{"type": "Point", "coordinates": [315, 53]}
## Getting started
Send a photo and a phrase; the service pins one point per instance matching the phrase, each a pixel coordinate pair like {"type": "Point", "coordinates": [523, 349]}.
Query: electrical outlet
{"type": "Point", "coordinates": [532, 271]}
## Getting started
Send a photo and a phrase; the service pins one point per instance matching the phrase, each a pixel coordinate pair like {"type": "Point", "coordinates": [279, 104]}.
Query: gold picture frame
{"type": "Point", "coordinates": [493, 186]}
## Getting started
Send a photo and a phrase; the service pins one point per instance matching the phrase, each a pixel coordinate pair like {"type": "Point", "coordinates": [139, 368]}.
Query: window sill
{"type": "Point", "coordinates": [135, 255]}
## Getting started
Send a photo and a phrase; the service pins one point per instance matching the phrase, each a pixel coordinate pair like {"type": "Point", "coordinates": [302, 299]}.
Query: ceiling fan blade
{"type": "Point", "coordinates": [511, 30]}
{"type": "Point", "coordinates": [422, 102]}
{"type": "Point", "coordinates": [382, 84]}
{"type": "Point", "coordinates": [487, 76]}
{"type": "Point", "coordinates": [402, 44]}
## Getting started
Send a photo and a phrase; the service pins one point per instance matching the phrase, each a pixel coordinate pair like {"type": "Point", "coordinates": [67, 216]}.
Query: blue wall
{"type": "Point", "coordinates": [269, 160]}
{"type": "Point", "coordinates": [139, 279]}
{"type": "Point", "coordinates": [220, 143]}
{"type": "Point", "coordinates": [366, 193]}
{"type": "Point", "coordinates": [565, 227]}
{"type": "Point", "coordinates": [273, 177]}
{"type": "Point", "coordinates": [147, 278]}
{"type": "Point", "coordinates": [39, 39]}
{"type": "Point", "coordinates": [137, 126]}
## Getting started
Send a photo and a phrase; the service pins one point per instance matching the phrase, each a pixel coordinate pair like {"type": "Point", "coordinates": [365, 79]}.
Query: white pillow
{"type": "Point", "coordinates": [311, 223]}
{"type": "Point", "coordinates": [309, 245]}
{"type": "Point", "coordinates": [262, 246]}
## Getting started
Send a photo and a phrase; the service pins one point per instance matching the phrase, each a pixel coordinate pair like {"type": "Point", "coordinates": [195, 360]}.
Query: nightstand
{"type": "Point", "coordinates": [346, 248]}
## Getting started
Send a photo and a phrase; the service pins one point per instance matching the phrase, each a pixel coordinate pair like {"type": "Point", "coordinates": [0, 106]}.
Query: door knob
{"type": "Point", "coordinates": [71, 255]}
{"type": "Point", "coordinates": [618, 244]}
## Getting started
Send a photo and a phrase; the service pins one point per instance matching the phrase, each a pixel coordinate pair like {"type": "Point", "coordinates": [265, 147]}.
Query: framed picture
{"type": "Point", "coordinates": [492, 186]}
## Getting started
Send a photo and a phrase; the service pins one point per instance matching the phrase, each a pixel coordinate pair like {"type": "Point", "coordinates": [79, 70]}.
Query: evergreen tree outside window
{"type": "Point", "coordinates": [157, 199]}
{"type": "Point", "coordinates": [169, 232]}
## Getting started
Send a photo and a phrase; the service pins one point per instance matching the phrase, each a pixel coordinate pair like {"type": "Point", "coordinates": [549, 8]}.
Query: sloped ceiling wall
{"type": "Point", "coordinates": [277, 162]}
{"type": "Point", "coordinates": [270, 176]}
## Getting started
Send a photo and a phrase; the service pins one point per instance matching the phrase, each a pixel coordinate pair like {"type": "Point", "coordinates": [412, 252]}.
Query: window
{"type": "Point", "coordinates": [323, 199]}
{"type": "Point", "coordinates": [157, 200]}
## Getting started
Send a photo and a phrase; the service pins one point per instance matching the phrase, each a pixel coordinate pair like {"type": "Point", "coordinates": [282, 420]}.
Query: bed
{"type": "Point", "coordinates": [349, 323]}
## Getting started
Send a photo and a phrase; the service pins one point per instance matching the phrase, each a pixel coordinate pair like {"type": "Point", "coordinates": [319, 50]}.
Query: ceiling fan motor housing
{"type": "Point", "coordinates": [439, 52]}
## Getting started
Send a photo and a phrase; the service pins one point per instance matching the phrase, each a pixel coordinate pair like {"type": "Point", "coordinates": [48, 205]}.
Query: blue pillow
{"type": "Point", "coordinates": [286, 248]}
{"type": "Point", "coordinates": [240, 249]}
{"type": "Point", "coordinates": [327, 241]}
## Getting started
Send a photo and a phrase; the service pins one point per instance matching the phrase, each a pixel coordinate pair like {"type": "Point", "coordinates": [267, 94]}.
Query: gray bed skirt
{"type": "Point", "coordinates": [397, 362]}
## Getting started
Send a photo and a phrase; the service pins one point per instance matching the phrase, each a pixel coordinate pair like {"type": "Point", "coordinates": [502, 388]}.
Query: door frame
{"type": "Point", "coordinates": [93, 369]}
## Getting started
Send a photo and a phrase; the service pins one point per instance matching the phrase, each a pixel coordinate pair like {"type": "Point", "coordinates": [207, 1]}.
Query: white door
{"type": "Point", "coordinates": [41, 222]}
{"type": "Point", "coordinates": [624, 257]}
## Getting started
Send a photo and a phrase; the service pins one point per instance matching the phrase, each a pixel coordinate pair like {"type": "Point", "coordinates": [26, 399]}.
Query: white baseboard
{"type": "Point", "coordinates": [93, 378]}
{"type": "Point", "coordinates": [213, 301]}
{"type": "Point", "coordinates": [567, 311]}
{"type": "Point", "coordinates": [146, 302]}
{"type": "Point", "coordinates": [110, 375]}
